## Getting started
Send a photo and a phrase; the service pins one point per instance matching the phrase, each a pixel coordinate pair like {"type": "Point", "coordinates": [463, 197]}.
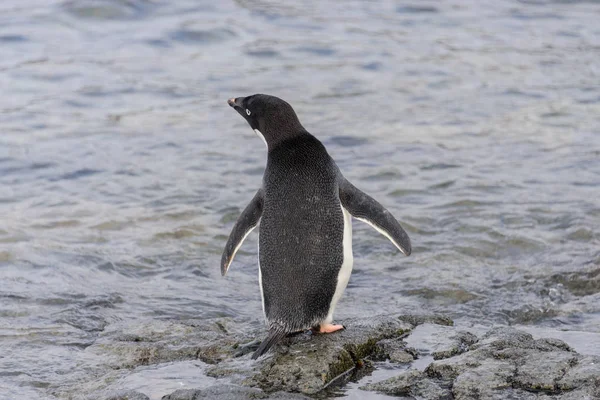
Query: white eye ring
{"type": "Point", "coordinates": [247, 111]}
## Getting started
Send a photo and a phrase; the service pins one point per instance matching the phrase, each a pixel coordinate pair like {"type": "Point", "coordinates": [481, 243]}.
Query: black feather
{"type": "Point", "coordinates": [274, 337]}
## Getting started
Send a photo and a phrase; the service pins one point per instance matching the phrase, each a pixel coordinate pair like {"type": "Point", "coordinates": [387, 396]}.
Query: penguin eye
{"type": "Point", "coordinates": [248, 112]}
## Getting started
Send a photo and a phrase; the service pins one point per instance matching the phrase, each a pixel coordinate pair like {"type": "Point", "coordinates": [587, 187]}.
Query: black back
{"type": "Point", "coordinates": [301, 233]}
{"type": "Point", "coordinates": [302, 223]}
{"type": "Point", "coordinates": [301, 220]}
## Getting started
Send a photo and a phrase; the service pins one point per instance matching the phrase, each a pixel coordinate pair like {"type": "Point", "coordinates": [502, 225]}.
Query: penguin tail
{"type": "Point", "coordinates": [275, 335]}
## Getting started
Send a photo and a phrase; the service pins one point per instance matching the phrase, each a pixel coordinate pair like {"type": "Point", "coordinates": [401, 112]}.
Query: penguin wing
{"type": "Point", "coordinates": [364, 208]}
{"type": "Point", "coordinates": [243, 226]}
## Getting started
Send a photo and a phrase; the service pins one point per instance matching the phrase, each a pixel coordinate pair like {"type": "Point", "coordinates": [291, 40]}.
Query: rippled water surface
{"type": "Point", "coordinates": [122, 169]}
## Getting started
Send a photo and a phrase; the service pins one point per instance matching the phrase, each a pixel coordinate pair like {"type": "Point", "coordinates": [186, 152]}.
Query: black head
{"type": "Point", "coordinates": [272, 117]}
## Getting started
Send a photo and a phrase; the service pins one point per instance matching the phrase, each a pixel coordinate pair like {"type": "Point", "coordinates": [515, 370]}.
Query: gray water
{"type": "Point", "coordinates": [122, 169]}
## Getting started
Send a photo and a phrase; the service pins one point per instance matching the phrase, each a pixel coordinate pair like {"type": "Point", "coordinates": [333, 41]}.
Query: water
{"type": "Point", "coordinates": [122, 168]}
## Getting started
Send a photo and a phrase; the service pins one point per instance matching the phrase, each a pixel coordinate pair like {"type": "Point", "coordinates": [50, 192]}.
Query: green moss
{"type": "Point", "coordinates": [344, 363]}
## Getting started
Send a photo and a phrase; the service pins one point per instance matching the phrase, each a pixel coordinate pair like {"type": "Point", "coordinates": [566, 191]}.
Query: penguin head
{"type": "Point", "coordinates": [270, 117]}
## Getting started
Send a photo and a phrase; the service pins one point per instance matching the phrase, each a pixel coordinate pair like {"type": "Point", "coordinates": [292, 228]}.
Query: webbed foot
{"type": "Point", "coordinates": [328, 328]}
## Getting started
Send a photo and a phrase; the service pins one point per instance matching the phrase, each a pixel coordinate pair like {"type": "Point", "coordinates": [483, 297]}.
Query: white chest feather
{"type": "Point", "coordinates": [260, 135]}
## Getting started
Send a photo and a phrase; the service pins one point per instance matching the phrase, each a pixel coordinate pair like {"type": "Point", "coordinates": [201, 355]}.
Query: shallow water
{"type": "Point", "coordinates": [122, 168]}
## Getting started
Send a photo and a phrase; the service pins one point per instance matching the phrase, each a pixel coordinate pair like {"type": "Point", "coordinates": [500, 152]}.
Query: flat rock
{"type": "Point", "coordinates": [441, 341]}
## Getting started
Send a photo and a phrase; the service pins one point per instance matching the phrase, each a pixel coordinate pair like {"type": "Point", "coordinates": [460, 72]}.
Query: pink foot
{"type": "Point", "coordinates": [329, 328]}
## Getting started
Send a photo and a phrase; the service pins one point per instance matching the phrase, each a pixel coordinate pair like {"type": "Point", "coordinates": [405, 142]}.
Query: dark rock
{"type": "Point", "coordinates": [507, 337]}
{"type": "Point", "coordinates": [395, 351]}
{"type": "Point", "coordinates": [542, 373]}
{"type": "Point", "coordinates": [440, 341]}
{"type": "Point", "coordinates": [584, 373]}
{"type": "Point", "coordinates": [153, 342]}
{"type": "Point", "coordinates": [458, 344]}
{"type": "Point", "coordinates": [504, 364]}
{"type": "Point", "coordinates": [310, 365]}
{"type": "Point", "coordinates": [127, 395]}
{"type": "Point", "coordinates": [305, 363]}
{"type": "Point", "coordinates": [420, 319]}
{"type": "Point", "coordinates": [411, 383]}
{"type": "Point", "coordinates": [582, 283]}
{"type": "Point", "coordinates": [229, 392]}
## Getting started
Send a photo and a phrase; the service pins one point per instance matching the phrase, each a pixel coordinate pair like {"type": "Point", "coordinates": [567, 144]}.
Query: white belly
{"type": "Point", "coordinates": [346, 269]}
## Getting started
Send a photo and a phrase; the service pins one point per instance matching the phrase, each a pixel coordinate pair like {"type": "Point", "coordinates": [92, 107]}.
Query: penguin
{"type": "Point", "coordinates": [305, 208]}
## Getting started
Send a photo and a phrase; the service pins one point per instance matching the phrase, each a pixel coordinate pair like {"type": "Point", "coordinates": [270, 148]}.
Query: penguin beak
{"type": "Point", "coordinates": [235, 102]}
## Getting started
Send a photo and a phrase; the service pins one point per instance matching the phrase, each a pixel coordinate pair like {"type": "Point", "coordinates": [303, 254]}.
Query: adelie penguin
{"type": "Point", "coordinates": [305, 208]}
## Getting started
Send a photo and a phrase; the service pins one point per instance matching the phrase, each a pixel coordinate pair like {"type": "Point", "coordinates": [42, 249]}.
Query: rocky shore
{"type": "Point", "coordinates": [502, 363]}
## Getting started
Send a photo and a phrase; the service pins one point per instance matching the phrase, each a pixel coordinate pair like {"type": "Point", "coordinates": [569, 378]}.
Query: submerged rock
{"type": "Point", "coordinates": [505, 363]}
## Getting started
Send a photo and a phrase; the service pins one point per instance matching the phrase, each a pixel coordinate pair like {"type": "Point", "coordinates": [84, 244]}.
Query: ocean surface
{"type": "Point", "coordinates": [122, 168]}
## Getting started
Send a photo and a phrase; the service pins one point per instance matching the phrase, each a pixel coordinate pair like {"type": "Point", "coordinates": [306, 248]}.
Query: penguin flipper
{"type": "Point", "coordinates": [364, 208]}
{"type": "Point", "coordinates": [275, 335]}
{"type": "Point", "coordinates": [246, 222]}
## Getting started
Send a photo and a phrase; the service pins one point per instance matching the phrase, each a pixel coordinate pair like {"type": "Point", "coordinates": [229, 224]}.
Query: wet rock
{"type": "Point", "coordinates": [395, 351]}
{"type": "Point", "coordinates": [582, 283]}
{"type": "Point", "coordinates": [457, 343]}
{"type": "Point", "coordinates": [153, 342]}
{"type": "Point", "coordinates": [411, 383]}
{"type": "Point", "coordinates": [584, 373]}
{"type": "Point", "coordinates": [504, 363]}
{"type": "Point", "coordinates": [305, 363]}
{"type": "Point", "coordinates": [311, 364]}
{"type": "Point", "coordinates": [504, 358]}
{"type": "Point", "coordinates": [529, 314]}
{"type": "Point", "coordinates": [420, 319]}
{"type": "Point", "coordinates": [507, 337]}
{"type": "Point", "coordinates": [483, 379]}
{"type": "Point", "coordinates": [229, 392]}
{"type": "Point", "coordinates": [535, 373]}
{"type": "Point", "coordinates": [127, 395]}
{"type": "Point", "coordinates": [440, 340]}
